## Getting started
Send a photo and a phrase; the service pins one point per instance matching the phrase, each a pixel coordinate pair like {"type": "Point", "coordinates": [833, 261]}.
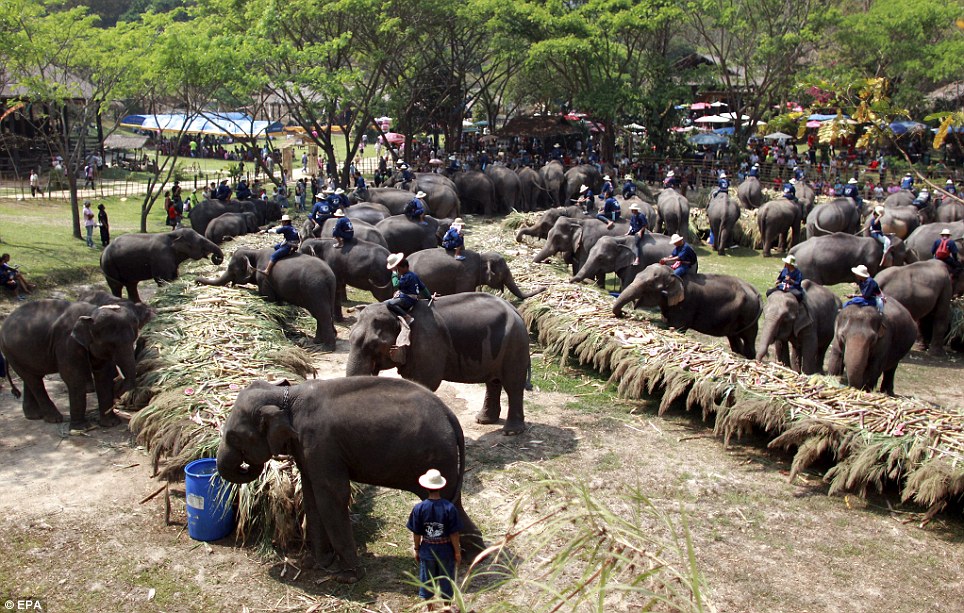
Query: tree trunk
{"type": "Point", "coordinates": [74, 208]}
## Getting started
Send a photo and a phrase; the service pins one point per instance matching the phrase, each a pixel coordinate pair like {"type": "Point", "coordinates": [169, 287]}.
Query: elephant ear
{"type": "Point", "coordinates": [276, 427]}
{"type": "Point", "coordinates": [802, 320]}
{"type": "Point", "coordinates": [676, 292]}
{"type": "Point", "coordinates": [577, 238]}
{"type": "Point", "coordinates": [83, 331]}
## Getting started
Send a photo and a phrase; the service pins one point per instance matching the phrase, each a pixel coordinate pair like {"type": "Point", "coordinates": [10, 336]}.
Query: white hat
{"type": "Point", "coordinates": [670, 174]}
{"type": "Point", "coordinates": [339, 191]}
{"type": "Point", "coordinates": [432, 480]}
{"type": "Point", "coordinates": [320, 195]}
{"type": "Point", "coordinates": [583, 188]}
{"type": "Point", "coordinates": [606, 178]}
{"type": "Point", "coordinates": [791, 260]}
{"type": "Point", "coordinates": [556, 146]}
{"type": "Point", "coordinates": [907, 174]}
{"type": "Point", "coordinates": [949, 182]}
{"type": "Point", "coordinates": [286, 218]}
{"type": "Point", "coordinates": [634, 207]}
{"type": "Point", "coordinates": [860, 271]}
{"type": "Point", "coordinates": [793, 181]}
{"type": "Point", "coordinates": [756, 165]}
{"type": "Point", "coordinates": [676, 238]}
{"type": "Point", "coordinates": [946, 231]}
{"type": "Point", "coordinates": [340, 213]}
{"type": "Point", "coordinates": [458, 222]}
{"type": "Point", "coordinates": [394, 259]}
{"type": "Point", "coordinates": [879, 210]}
{"type": "Point", "coordinates": [923, 191]}
{"type": "Point", "coordinates": [403, 166]}
{"type": "Point", "coordinates": [722, 175]}
{"type": "Point", "coordinates": [328, 190]}
{"type": "Point", "coordinates": [420, 194]}
{"type": "Point", "coordinates": [628, 177]}
{"type": "Point", "coordinates": [852, 181]}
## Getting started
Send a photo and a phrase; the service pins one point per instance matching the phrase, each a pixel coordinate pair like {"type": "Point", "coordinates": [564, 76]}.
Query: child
{"type": "Point", "coordinates": [435, 525]}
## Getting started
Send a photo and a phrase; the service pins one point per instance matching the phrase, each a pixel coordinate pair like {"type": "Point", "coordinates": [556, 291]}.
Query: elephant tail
{"type": "Point", "coordinates": [472, 542]}
{"type": "Point", "coordinates": [6, 371]}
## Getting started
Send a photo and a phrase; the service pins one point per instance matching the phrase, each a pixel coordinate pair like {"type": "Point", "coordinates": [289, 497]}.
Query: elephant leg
{"type": "Point", "coordinates": [490, 407]}
{"type": "Point", "coordinates": [515, 420]}
{"type": "Point", "coordinates": [781, 349]}
{"type": "Point", "coordinates": [115, 287]}
{"type": "Point", "coordinates": [325, 334]}
{"type": "Point", "coordinates": [341, 295]}
{"type": "Point", "coordinates": [104, 386]}
{"type": "Point", "coordinates": [887, 382]}
{"type": "Point", "coordinates": [77, 392]}
{"type": "Point", "coordinates": [132, 294]}
{"type": "Point", "coordinates": [767, 243]}
{"type": "Point", "coordinates": [323, 556]}
{"type": "Point", "coordinates": [736, 344]}
{"type": "Point", "coordinates": [36, 402]}
{"type": "Point", "coordinates": [331, 502]}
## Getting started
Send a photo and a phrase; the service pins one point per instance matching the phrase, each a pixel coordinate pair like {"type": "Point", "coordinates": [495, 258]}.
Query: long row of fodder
{"type": "Point", "coordinates": [872, 439]}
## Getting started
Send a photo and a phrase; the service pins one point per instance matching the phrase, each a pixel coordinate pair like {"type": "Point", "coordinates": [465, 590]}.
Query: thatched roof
{"type": "Point", "coordinates": [124, 141]}
{"type": "Point", "coordinates": [950, 93]}
{"type": "Point", "coordinates": [539, 126]}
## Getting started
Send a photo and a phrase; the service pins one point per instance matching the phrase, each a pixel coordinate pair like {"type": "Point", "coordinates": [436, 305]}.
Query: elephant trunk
{"type": "Point", "coordinates": [768, 336]}
{"type": "Point", "coordinates": [512, 287]}
{"type": "Point", "coordinates": [626, 296]}
{"type": "Point", "coordinates": [856, 356]}
{"type": "Point", "coordinates": [221, 281]}
{"type": "Point", "coordinates": [359, 365]}
{"type": "Point", "coordinates": [382, 292]}
{"type": "Point", "coordinates": [217, 256]}
{"type": "Point", "coordinates": [547, 251]}
{"type": "Point", "coordinates": [232, 469]}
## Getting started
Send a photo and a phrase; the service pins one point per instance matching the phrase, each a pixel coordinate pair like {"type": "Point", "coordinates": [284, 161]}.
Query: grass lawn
{"type": "Point", "coordinates": [37, 234]}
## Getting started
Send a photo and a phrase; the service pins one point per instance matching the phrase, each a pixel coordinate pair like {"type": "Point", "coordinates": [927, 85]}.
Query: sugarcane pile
{"type": "Point", "coordinates": [874, 439]}
{"type": "Point", "coordinates": [746, 232]}
{"type": "Point", "coordinates": [955, 331]}
{"type": "Point", "coordinates": [204, 345]}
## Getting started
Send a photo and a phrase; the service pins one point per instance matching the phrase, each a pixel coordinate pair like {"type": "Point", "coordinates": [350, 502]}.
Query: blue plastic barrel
{"type": "Point", "coordinates": [210, 515]}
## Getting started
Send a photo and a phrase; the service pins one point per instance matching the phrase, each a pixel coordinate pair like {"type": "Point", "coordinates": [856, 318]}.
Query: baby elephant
{"type": "Point", "coordinates": [379, 431]}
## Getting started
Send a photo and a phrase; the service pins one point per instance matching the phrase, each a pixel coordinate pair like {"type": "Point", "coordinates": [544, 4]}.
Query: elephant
{"type": "Point", "coordinates": [804, 326]}
{"type": "Point", "coordinates": [508, 187]}
{"type": "Point", "coordinates": [575, 177]}
{"type": "Point", "coordinates": [750, 193]}
{"type": "Point", "coordinates": [867, 345]}
{"type": "Point", "coordinates": [391, 198]}
{"type": "Point", "coordinates": [779, 222]}
{"type": "Point", "coordinates": [470, 338]}
{"type": "Point", "coordinates": [265, 210]}
{"type": "Point", "coordinates": [899, 221]}
{"type": "Point", "coordinates": [838, 215]}
{"type": "Point", "coordinates": [445, 275]}
{"type": "Point", "coordinates": [950, 210]}
{"type": "Point", "coordinates": [920, 242]}
{"type": "Point", "coordinates": [80, 341]}
{"type": "Point", "coordinates": [616, 254]}
{"type": "Point", "coordinates": [363, 230]}
{"type": "Point", "coordinates": [553, 173]}
{"type": "Point", "coordinates": [828, 259]}
{"type": "Point", "coordinates": [541, 228]}
{"type": "Point", "coordinates": [372, 430]}
{"type": "Point", "coordinates": [718, 305]}
{"type": "Point", "coordinates": [369, 212]}
{"type": "Point", "coordinates": [298, 279]}
{"type": "Point", "coordinates": [925, 289]}
{"type": "Point", "coordinates": [533, 189]}
{"type": "Point", "coordinates": [230, 225]}
{"type": "Point", "coordinates": [407, 236]}
{"type": "Point", "coordinates": [806, 197]}
{"type": "Point", "coordinates": [723, 212]}
{"type": "Point", "coordinates": [132, 258]}
{"type": "Point", "coordinates": [904, 197]}
{"type": "Point", "coordinates": [359, 264]}
{"type": "Point", "coordinates": [574, 239]}
{"type": "Point", "coordinates": [674, 213]}
{"type": "Point", "coordinates": [476, 192]}
{"type": "Point", "coordinates": [442, 196]}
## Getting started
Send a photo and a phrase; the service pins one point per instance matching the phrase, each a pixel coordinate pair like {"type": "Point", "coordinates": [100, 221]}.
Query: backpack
{"type": "Point", "coordinates": [943, 251]}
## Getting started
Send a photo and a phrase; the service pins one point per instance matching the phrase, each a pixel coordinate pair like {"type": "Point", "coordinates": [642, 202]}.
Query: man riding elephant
{"type": "Point", "coordinates": [683, 257]}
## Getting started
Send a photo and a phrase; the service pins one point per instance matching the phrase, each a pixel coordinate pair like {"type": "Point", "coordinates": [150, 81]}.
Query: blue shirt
{"type": "Point", "coordinates": [950, 189]}
{"type": "Point", "coordinates": [685, 254]}
{"type": "Point", "coordinates": [435, 520]}
{"type": "Point", "coordinates": [223, 193]}
{"type": "Point", "coordinates": [322, 211]}
{"type": "Point", "coordinates": [243, 191]}
{"type": "Point", "coordinates": [359, 182]}
{"type": "Point", "coordinates": [415, 208]}
{"type": "Point", "coordinates": [951, 246]}
{"type": "Point", "coordinates": [789, 192]}
{"type": "Point", "coordinates": [850, 191]}
{"type": "Point", "coordinates": [289, 232]}
{"type": "Point", "coordinates": [724, 184]}
{"type": "Point", "coordinates": [907, 183]}
{"type": "Point", "coordinates": [875, 226]}
{"type": "Point", "coordinates": [611, 207]}
{"type": "Point", "coordinates": [343, 229]}
{"type": "Point", "coordinates": [452, 239]}
{"type": "Point", "coordinates": [869, 290]}
{"type": "Point", "coordinates": [754, 172]}
{"type": "Point", "coordinates": [629, 189]}
{"type": "Point", "coordinates": [607, 189]}
{"type": "Point", "coordinates": [798, 174]}
{"type": "Point", "coordinates": [793, 279]}
{"type": "Point", "coordinates": [637, 221]}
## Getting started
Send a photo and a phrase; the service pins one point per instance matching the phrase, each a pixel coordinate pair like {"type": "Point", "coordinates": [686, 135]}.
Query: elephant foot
{"type": "Point", "coordinates": [936, 352]}
{"type": "Point", "coordinates": [109, 419]}
{"type": "Point", "coordinates": [51, 418]}
{"type": "Point", "coordinates": [81, 426]}
{"type": "Point", "coordinates": [512, 428]}
{"type": "Point", "coordinates": [325, 346]}
{"type": "Point", "coordinates": [767, 254]}
{"type": "Point", "coordinates": [349, 576]}
{"type": "Point", "coordinates": [485, 417]}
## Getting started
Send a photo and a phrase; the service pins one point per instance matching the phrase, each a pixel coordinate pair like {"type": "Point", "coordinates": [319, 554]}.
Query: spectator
{"type": "Point", "coordinates": [103, 224]}
{"type": "Point", "coordinates": [11, 278]}
{"type": "Point", "coordinates": [35, 184]}
{"type": "Point", "coordinates": [89, 223]}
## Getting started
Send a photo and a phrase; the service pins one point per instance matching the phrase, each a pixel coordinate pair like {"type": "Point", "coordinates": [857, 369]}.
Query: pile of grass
{"type": "Point", "coordinates": [204, 345]}
{"type": "Point", "coordinates": [955, 332]}
{"type": "Point", "coordinates": [746, 233]}
{"type": "Point", "coordinates": [872, 438]}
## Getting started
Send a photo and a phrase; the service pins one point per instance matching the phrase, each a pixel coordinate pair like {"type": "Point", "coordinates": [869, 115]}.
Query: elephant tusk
{"type": "Point", "coordinates": [120, 375]}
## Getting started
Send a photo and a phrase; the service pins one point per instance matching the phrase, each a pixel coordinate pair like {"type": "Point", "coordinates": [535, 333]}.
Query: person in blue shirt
{"type": "Point", "coordinates": [343, 201]}
{"type": "Point", "coordinates": [799, 174]}
{"type": "Point", "coordinates": [852, 191]}
{"type": "Point", "coordinates": [223, 192]}
{"type": "Point", "coordinates": [408, 288]}
{"type": "Point", "coordinates": [285, 247]}
{"type": "Point", "coordinates": [722, 185]}
{"type": "Point", "coordinates": [454, 165]}
{"type": "Point", "coordinates": [789, 280]}
{"type": "Point", "coordinates": [922, 200]}
{"type": "Point", "coordinates": [321, 212]}
{"type": "Point", "coordinates": [607, 190]}
{"type": "Point", "coordinates": [343, 231]}
{"type": "Point", "coordinates": [586, 199]}
{"type": "Point", "coordinates": [11, 278]}
{"type": "Point", "coordinates": [610, 212]}
{"type": "Point", "coordinates": [453, 239]}
{"type": "Point", "coordinates": [360, 184]}
{"type": "Point", "coordinates": [243, 192]}
{"type": "Point", "coordinates": [415, 209]}
{"type": "Point", "coordinates": [869, 290]}
{"type": "Point", "coordinates": [907, 182]}
{"type": "Point", "coordinates": [629, 187]}
{"type": "Point", "coordinates": [435, 526]}
{"type": "Point", "coordinates": [637, 227]}
{"type": "Point", "coordinates": [407, 176]}
{"type": "Point", "coordinates": [877, 231]}
{"type": "Point", "coordinates": [671, 180]}
{"type": "Point", "coordinates": [790, 190]}
{"type": "Point", "coordinates": [682, 258]}
{"type": "Point", "coordinates": [950, 188]}
{"type": "Point", "coordinates": [556, 153]}
{"type": "Point", "coordinates": [945, 250]}
{"type": "Point", "coordinates": [754, 171]}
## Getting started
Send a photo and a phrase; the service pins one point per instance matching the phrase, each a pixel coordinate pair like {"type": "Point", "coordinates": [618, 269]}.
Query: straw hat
{"type": "Point", "coordinates": [606, 178]}
{"type": "Point", "coordinates": [432, 480]}
{"type": "Point", "coordinates": [676, 238]}
{"type": "Point", "coordinates": [790, 260]}
{"type": "Point", "coordinates": [286, 218]}
{"type": "Point", "coordinates": [860, 271]}
{"type": "Point", "coordinates": [852, 181]}
{"type": "Point", "coordinates": [946, 232]}
{"type": "Point", "coordinates": [320, 195]}
{"type": "Point", "coordinates": [634, 207]}
{"type": "Point", "coordinates": [340, 213]}
{"type": "Point", "coordinates": [420, 194]}
{"type": "Point", "coordinates": [394, 259]}
{"type": "Point", "coordinates": [879, 210]}
{"type": "Point", "coordinates": [583, 188]}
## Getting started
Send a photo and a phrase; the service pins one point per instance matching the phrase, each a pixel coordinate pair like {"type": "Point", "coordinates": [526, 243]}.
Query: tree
{"type": "Point", "coordinates": [62, 61]}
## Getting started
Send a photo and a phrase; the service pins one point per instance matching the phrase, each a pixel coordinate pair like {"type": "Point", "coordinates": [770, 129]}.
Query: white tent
{"type": "Point", "coordinates": [732, 116]}
{"type": "Point", "coordinates": [713, 119]}
{"type": "Point", "coordinates": [778, 136]}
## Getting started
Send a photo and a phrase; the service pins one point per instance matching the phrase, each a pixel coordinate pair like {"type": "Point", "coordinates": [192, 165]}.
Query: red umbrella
{"type": "Point", "coordinates": [813, 124]}
{"type": "Point", "coordinates": [395, 138]}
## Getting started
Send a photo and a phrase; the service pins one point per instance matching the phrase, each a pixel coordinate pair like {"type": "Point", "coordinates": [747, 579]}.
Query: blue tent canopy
{"type": "Point", "coordinates": [728, 131]}
{"type": "Point", "coordinates": [708, 139]}
{"type": "Point", "coordinates": [820, 117]}
{"type": "Point", "coordinates": [217, 124]}
{"type": "Point", "coordinates": [903, 127]}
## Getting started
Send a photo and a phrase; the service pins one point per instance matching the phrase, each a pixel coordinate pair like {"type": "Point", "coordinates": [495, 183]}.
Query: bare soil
{"type": "Point", "coordinates": [74, 532]}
